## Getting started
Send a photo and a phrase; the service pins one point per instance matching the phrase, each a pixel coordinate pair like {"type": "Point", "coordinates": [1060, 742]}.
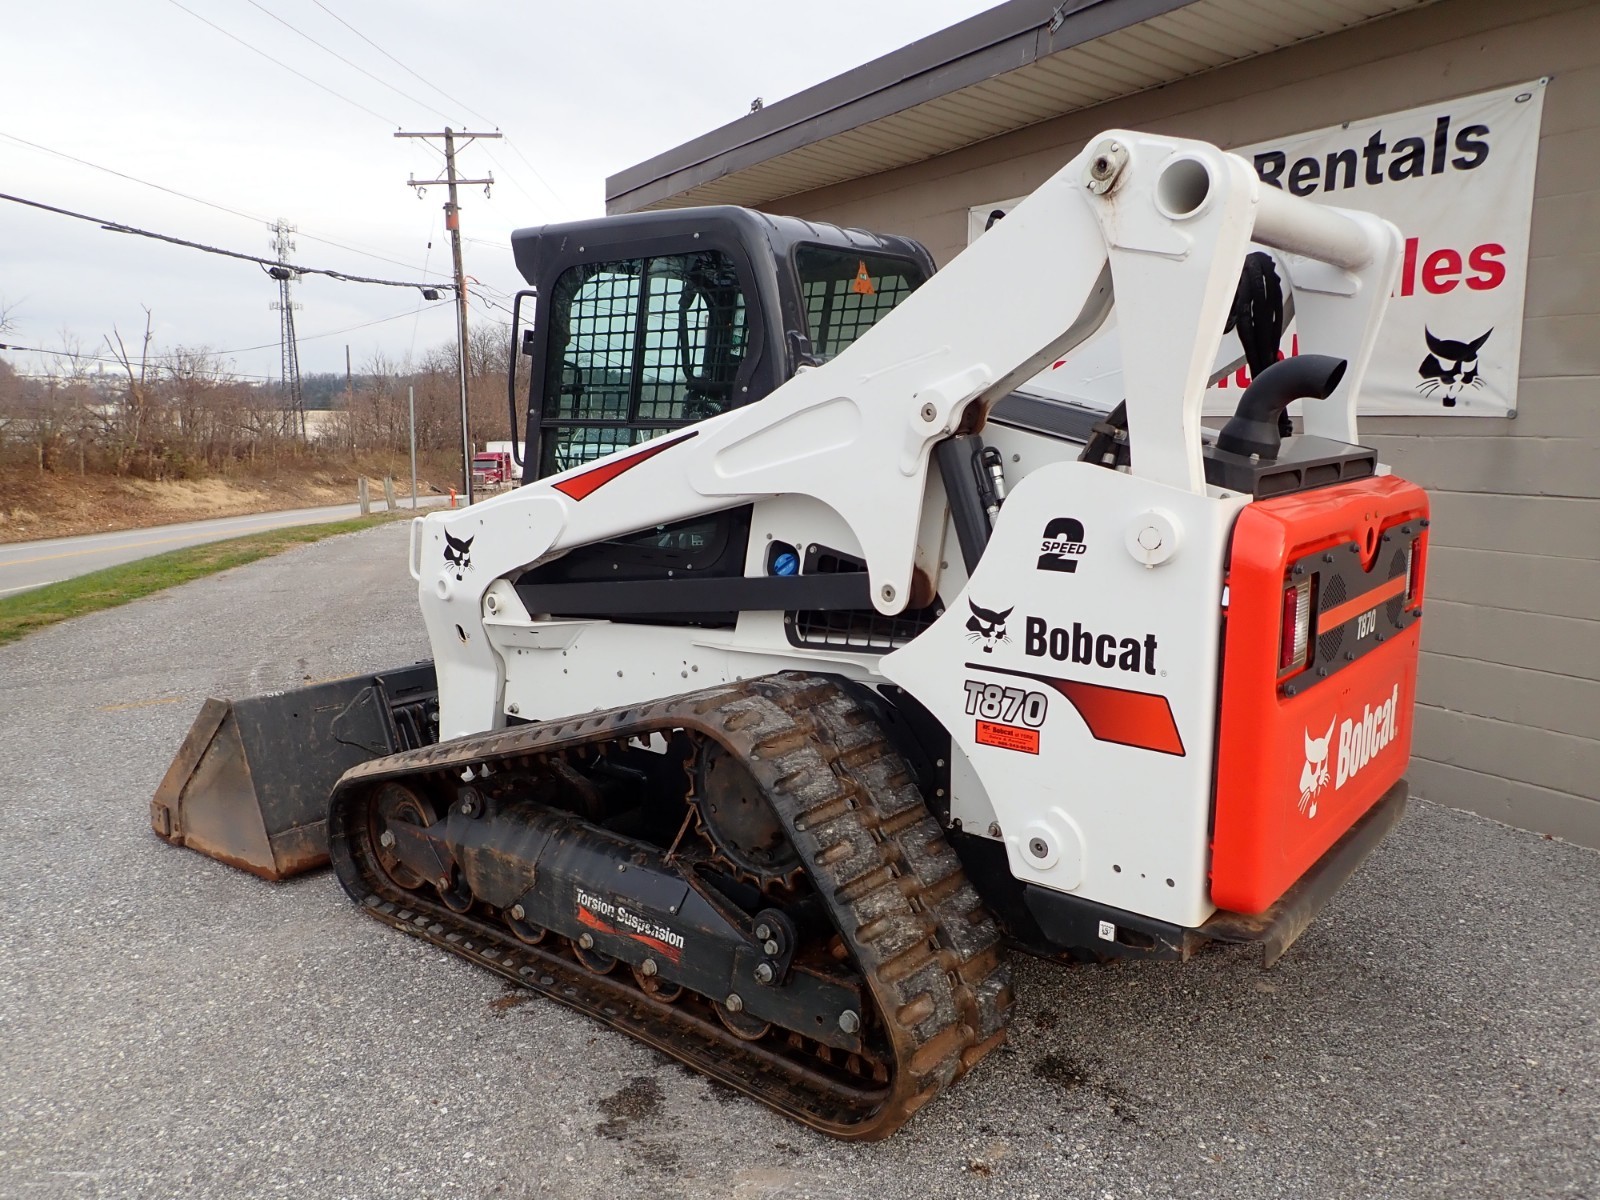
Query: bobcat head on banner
{"type": "Point", "coordinates": [1450, 367]}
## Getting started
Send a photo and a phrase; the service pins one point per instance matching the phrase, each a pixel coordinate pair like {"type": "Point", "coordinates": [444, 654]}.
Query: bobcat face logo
{"type": "Point", "coordinates": [1450, 367]}
{"type": "Point", "coordinates": [457, 555]}
{"type": "Point", "coordinates": [987, 626]}
{"type": "Point", "coordinates": [1314, 775]}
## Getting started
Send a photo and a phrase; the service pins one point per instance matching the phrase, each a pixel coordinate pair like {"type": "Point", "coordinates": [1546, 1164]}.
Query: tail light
{"type": "Point", "coordinates": [1414, 573]}
{"type": "Point", "coordinates": [1294, 640]}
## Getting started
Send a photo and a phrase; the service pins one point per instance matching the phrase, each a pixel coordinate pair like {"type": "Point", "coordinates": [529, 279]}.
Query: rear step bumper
{"type": "Point", "coordinates": [250, 784]}
{"type": "Point", "coordinates": [1073, 924]}
{"type": "Point", "coordinates": [1277, 928]}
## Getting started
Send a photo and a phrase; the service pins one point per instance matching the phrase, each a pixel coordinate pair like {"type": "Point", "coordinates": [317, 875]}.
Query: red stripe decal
{"type": "Point", "coordinates": [1142, 720]}
{"type": "Point", "coordinates": [596, 477]}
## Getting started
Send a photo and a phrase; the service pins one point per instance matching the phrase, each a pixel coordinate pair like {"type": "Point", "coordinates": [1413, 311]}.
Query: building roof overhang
{"type": "Point", "coordinates": [1017, 64]}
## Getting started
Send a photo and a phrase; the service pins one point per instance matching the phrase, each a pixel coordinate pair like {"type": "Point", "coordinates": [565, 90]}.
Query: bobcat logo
{"type": "Point", "coordinates": [1450, 367]}
{"type": "Point", "coordinates": [457, 555]}
{"type": "Point", "coordinates": [987, 626]}
{"type": "Point", "coordinates": [1314, 775]}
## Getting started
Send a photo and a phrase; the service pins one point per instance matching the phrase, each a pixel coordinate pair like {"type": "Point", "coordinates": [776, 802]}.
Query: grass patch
{"type": "Point", "coordinates": [43, 606]}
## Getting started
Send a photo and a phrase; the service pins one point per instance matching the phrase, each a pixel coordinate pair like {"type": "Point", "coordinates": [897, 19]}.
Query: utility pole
{"type": "Point", "coordinates": [411, 402]}
{"type": "Point", "coordinates": [349, 401]}
{"type": "Point", "coordinates": [452, 222]}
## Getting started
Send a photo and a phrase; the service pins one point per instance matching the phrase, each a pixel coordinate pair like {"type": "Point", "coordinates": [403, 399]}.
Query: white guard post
{"type": "Point", "coordinates": [1163, 223]}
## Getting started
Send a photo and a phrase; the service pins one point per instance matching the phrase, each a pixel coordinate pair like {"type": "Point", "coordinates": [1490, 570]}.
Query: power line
{"type": "Point", "coordinates": [118, 227]}
{"type": "Point", "coordinates": [560, 199]}
{"type": "Point", "coordinates": [470, 111]}
{"type": "Point", "coordinates": [11, 137]}
{"type": "Point", "coordinates": [427, 257]}
{"type": "Point", "coordinates": [167, 359]}
{"type": "Point", "coordinates": [198, 200]}
{"type": "Point", "coordinates": [161, 360]}
{"type": "Point", "coordinates": [515, 182]}
{"type": "Point", "coordinates": [311, 337]}
{"type": "Point", "coordinates": [346, 61]}
{"type": "Point", "coordinates": [284, 65]}
{"type": "Point", "coordinates": [485, 305]}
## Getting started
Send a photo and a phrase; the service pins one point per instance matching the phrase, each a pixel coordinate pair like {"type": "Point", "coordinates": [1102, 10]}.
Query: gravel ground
{"type": "Point", "coordinates": [169, 1027]}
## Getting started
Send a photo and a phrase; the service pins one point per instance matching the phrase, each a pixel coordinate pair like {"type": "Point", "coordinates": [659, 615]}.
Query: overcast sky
{"type": "Point", "coordinates": [148, 89]}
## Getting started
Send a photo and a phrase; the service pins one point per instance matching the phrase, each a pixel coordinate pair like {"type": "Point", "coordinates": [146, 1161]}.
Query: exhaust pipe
{"type": "Point", "coordinates": [1253, 428]}
{"type": "Point", "coordinates": [249, 786]}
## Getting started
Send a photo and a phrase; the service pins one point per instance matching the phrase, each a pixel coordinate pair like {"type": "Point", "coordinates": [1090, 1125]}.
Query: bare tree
{"type": "Point", "coordinates": [135, 398]}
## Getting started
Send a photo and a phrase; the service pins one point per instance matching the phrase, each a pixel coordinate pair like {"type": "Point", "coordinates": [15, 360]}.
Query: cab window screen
{"type": "Point", "coordinates": [847, 294]}
{"type": "Point", "coordinates": [639, 346]}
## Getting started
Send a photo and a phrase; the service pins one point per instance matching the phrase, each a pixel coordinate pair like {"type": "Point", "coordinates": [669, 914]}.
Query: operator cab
{"type": "Point", "coordinates": [649, 322]}
{"type": "Point", "coordinates": [652, 321]}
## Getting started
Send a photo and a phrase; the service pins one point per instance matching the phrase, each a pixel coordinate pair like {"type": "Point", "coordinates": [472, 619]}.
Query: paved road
{"type": "Point", "coordinates": [25, 565]}
{"type": "Point", "coordinates": [173, 1028]}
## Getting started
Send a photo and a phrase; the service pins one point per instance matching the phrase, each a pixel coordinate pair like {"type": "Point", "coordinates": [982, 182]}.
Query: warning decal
{"type": "Point", "coordinates": [1007, 737]}
{"type": "Point", "coordinates": [863, 282]}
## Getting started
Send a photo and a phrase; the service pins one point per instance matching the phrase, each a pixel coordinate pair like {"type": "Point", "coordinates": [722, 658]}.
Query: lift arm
{"type": "Point", "coordinates": [1163, 223]}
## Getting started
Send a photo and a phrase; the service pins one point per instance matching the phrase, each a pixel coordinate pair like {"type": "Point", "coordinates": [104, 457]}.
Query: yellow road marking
{"type": "Point", "coordinates": [140, 704]}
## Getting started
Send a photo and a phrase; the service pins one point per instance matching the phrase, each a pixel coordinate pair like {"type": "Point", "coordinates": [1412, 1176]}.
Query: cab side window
{"type": "Point", "coordinates": [639, 347]}
{"type": "Point", "coordinates": [847, 294]}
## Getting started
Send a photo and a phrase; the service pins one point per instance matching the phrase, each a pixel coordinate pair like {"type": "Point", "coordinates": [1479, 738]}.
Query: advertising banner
{"type": "Point", "coordinates": [1457, 179]}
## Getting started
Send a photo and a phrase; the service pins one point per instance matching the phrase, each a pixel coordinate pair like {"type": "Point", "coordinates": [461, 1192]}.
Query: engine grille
{"type": "Point", "coordinates": [1396, 605]}
{"type": "Point", "coordinates": [1333, 595]}
{"type": "Point", "coordinates": [865, 631]}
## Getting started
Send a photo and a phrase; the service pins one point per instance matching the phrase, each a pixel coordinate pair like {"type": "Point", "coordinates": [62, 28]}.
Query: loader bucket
{"type": "Point", "coordinates": [250, 784]}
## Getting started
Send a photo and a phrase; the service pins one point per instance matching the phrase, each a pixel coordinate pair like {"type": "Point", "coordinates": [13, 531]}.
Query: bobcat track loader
{"type": "Point", "coordinates": [813, 663]}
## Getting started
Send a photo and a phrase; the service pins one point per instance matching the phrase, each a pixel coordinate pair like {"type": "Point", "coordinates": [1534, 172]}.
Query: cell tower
{"type": "Point", "coordinates": [294, 407]}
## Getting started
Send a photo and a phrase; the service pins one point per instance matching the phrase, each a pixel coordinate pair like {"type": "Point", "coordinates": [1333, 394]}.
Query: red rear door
{"type": "Point", "coordinates": [1313, 729]}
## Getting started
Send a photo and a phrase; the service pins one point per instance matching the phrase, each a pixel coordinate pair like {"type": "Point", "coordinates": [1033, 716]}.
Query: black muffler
{"type": "Point", "coordinates": [1253, 428]}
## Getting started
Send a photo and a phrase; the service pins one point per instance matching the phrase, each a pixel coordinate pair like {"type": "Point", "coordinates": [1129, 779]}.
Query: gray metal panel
{"type": "Point", "coordinates": [1514, 801]}
{"type": "Point", "coordinates": [1568, 345]}
{"type": "Point", "coordinates": [1520, 524]}
{"type": "Point", "coordinates": [1556, 761]}
{"type": "Point", "coordinates": [1513, 466]}
{"type": "Point", "coordinates": [1568, 224]}
{"type": "Point", "coordinates": [1558, 703]}
{"type": "Point", "coordinates": [1538, 641]}
{"type": "Point", "coordinates": [1559, 283]}
{"type": "Point", "coordinates": [1562, 587]}
{"type": "Point", "coordinates": [1559, 407]}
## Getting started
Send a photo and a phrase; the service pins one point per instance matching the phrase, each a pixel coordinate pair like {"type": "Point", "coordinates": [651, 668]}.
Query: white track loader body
{"type": "Point", "coordinates": [1126, 639]}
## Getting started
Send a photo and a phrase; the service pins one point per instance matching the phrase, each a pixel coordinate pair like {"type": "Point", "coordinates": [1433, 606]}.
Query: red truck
{"type": "Point", "coordinates": [492, 469]}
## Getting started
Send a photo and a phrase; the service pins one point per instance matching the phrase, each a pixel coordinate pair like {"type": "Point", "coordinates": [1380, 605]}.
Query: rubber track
{"type": "Point", "coordinates": [928, 949]}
